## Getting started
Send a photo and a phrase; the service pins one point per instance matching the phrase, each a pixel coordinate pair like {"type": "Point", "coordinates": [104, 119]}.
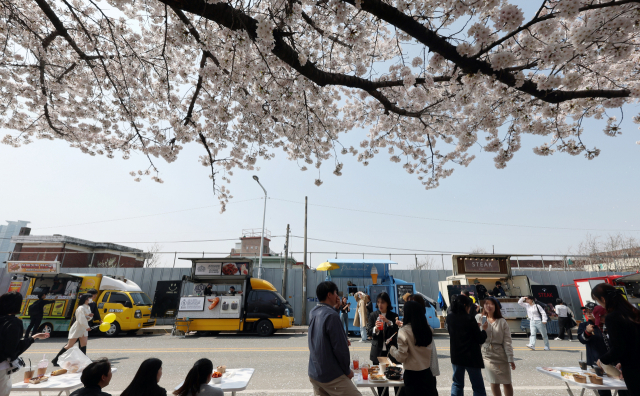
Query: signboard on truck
{"type": "Point", "coordinates": [512, 310]}
{"type": "Point", "coordinates": [33, 267]}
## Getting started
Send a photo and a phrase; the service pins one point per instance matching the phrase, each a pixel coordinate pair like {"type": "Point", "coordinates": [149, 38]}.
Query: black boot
{"type": "Point", "coordinates": [84, 349]}
{"type": "Point", "coordinates": [55, 359]}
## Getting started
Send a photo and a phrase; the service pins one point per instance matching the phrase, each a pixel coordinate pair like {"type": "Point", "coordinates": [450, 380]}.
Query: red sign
{"type": "Point", "coordinates": [481, 265]}
{"type": "Point", "coordinates": [31, 267]}
{"type": "Point", "coordinates": [14, 287]}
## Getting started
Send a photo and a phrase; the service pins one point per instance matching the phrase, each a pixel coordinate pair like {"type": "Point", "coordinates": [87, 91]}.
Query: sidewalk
{"type": "Point", "coordinates": [166, 329]}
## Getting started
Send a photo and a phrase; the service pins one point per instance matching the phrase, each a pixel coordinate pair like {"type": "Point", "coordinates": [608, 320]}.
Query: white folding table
{"type": "Point", "coordinates": [233, 380]}
{"type": "Point", "coordinates": [608, 383]}
{"type": "Point", "coordinates": [60, 383]}
{"type": "Point", "coordinates": [360, 383]}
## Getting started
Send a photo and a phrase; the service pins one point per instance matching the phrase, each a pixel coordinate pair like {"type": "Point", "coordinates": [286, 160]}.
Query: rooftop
{"type": "Point", "coordinates": [56, 238]}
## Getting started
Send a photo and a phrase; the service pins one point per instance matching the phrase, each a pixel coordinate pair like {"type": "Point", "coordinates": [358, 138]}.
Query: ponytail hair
{"type": "Point", "coordinates": [197, 376]}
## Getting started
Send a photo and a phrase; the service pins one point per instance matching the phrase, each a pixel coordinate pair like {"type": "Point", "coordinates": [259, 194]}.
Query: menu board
{"type": "Point", "coordinates": [402, 290]}
{"type": "Point", "coordinates": [512, 310]}
{"type": "Point", "coordinates": [191, 303]}
{"type": "Point", "coordinates": [57, 308]}
{"type": "Point", "coordinates": [211, 269]}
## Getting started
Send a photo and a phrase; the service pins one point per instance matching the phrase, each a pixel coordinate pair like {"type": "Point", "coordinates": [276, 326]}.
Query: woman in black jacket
{"type": "Point", "coordinates": [465, 337]}
{"type": "Point", "coordinates": [145, 382]}
{"type": "Point", "coordinates": [13, 345]}
{"type": "Point", "coordinates": [383, 339]}
{"type": "Point", "coordinates": [623, 326]}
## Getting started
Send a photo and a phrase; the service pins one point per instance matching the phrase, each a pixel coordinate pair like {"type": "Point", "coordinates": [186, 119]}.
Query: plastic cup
{"type": "Point", "coordinates": [583, 365]}
{"type": "Point", "coordinates": [365, 373]}
{"type": "Point", "coordinates": [41, 371]}
{"type": "Point", "coordinates": [28, 375]}
{"type": "Point", "coordinates": [356, 364]}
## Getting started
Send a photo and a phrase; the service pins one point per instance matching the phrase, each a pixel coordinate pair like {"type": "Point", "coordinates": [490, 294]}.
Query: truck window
{"type": "Point", "coordinates": [119, 298]}
{"type": "Point", "coordinates": [140, 299]}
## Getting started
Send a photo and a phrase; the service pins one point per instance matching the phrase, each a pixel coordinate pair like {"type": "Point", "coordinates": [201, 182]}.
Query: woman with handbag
{"type": "Point", "coordinates": [13, 345]}
{"type": "Point", "coordinates": [565, 320]}
{"type": "Point", "coordinates": [497, 350]}
{"type": "Point", "coordinates": [80, 329]}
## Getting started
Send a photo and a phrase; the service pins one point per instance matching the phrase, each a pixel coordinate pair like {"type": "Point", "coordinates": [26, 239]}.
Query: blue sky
{"type": "Point", "coordinates": [55, 187]}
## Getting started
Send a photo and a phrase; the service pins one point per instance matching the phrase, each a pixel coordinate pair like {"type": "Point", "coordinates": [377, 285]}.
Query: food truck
{"type": "Point", "coordinates": [471, 271]}
{"type": "Point", "coordinates": [378, 271]}
{"type": "Point", "coordinates": [122, 297]}
{"type": "Point", "coordinates": [629, 284]}
{"type": "Point", "coordinates": [208, 304]}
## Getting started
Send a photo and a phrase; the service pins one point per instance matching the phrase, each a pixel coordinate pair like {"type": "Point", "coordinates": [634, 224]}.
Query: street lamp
{"type": "Point", "coordinates": [264, 213]}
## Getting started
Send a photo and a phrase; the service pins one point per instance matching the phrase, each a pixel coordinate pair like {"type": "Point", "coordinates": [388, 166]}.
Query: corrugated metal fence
{"type": "Point", "coordinates": [426, 281]}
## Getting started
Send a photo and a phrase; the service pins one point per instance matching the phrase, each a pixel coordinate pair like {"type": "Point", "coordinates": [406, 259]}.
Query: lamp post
{"type": "Point", "coordinates": [264, 213]}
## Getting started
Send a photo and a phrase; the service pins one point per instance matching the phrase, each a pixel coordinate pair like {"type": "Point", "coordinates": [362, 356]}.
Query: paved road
{"type": "Point", "coordinates": [281, 361]}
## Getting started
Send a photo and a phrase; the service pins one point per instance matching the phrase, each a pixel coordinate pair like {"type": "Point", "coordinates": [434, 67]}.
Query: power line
{"type": "Point", "coordinates": [454, 221]}
{"type": "Point", "coordinates": [149, 215]}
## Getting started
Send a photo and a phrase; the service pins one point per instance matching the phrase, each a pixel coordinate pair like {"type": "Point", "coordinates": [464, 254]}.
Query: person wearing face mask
{"type": "Point", "coordinates": [79, 331]}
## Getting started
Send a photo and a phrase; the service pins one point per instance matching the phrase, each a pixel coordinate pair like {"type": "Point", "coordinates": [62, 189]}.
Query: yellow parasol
{"type": "Point", "coordinates": [327, 266]}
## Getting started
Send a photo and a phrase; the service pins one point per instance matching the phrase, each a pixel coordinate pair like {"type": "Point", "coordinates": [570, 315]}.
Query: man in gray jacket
{"type": "Point", "coordinates": [329, 358]}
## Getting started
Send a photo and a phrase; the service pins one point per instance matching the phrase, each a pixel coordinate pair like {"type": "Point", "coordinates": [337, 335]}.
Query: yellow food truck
{"type": "Point", "coordinates": [122, 297]}
{"type": "Point", "coordinates": [221, 295]}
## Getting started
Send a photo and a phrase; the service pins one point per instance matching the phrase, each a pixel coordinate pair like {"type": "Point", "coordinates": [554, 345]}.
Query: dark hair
{"type": "Point", "coordinates": [498, 283]}
{"type": "Point", "coordinates": [83, 299]}
{"type": "Point", "coordinates": [614, 301]}
{"type": "Point", "coordinates": [93, 373]}
{"type": "Point", "coordinates": [92, 291]}
{"type": "Point", "coordinates": [497, 314]}
{"type": "Point", "coordinates": [40, 295]}
{"type": "Point", "coordinates": [460, 303]}
{"type": "Point", "coordinates": [530, 298]}
{"type": "Point", "coordinates": [324, 289]}
{"type": "Point", "coordinates": [466, 293]}
{"type": "Point", "coordinates": [145, 382]}
{"type": "Point", "coordinates": [558, 301]}
{"type": "Point", "coordinates": [420, 300]}
{"type": "Point", "coordinates": [10, 303]}
{"type": "Point", "coordinates": [414, 314]}
{"type": "Point", "coordinates": [384, 296]}
{"type": "Point", "coordinates": [197, 376]}
{"type": "Point", "coordinates": [232, 287]}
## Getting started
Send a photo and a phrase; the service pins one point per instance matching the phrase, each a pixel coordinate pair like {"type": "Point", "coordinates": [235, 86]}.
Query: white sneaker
{"type": "Point", "coordinates": [570, 340]}
{"type": "Point", "coordinates": [531, 347]}
{"type": "Point", "coordinates": [547, 348]}
{"type": "Point", "coordinates": [557, 339]}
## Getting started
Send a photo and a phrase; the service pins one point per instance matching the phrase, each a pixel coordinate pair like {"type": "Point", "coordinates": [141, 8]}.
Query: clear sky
{"type": "Point", "coordinates": [57, 188]}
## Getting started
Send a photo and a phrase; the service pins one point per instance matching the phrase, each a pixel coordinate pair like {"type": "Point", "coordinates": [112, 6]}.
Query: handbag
{"type": "Point", "coordinates": [572, 321]}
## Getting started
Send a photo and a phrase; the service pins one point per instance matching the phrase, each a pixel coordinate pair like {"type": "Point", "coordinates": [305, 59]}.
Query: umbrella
{"type": "Point", "coordinates": [327, 266]}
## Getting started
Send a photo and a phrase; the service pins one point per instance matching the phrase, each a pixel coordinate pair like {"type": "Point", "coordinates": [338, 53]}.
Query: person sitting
{"type": "Point", "coordinates": [232, 291]}
{"type": "Point", "coordinates": [208, 290]}
{"type": "Point", "coordinates": [145, 382]}
{"type": "Point", "coordinates": [498, 291]}
{"type": "Point", "coordinates": [197, 381]}
{"type": "Point", "coordinates": [95, 377]}
{"type": "Point", "coordinates": [58, 287]}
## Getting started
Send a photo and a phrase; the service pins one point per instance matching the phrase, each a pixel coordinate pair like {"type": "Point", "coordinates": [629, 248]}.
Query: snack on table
{"type": "Point", "coordinates": [58, 372]}
{"type": "Point", "coordinates": [38, 380]}
{"type": "Point", "coordinates": [221, 369]}
{"type": "Point", "coordinates": [216, 374]}
{"type": "Point", "coordinates": [580, 378]}
{"type": "Point", "coordinates": [374, 369]}
{"type": "Point", "coordinates": [377, 377]}
{"type": "Point", "coordinates": [595, 380]}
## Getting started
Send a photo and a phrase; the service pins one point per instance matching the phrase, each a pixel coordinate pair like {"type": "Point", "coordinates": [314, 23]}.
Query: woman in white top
{"type": "Point", "coordinates": [537, 321]}
{"type": "Point", "coordinates": [197, 381]}
{"type": "Point", "coordinates": [564, 321]}
{"type": "Point", "coordinates": [80, 329]}
{"type": "Point", "coordinates": [497, 350]}
{"type": "Point", "coordinates": [415, 342]}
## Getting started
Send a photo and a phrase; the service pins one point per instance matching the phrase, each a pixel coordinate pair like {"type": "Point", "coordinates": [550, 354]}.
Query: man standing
{"type": "Point", "coordinates": [329, 371]}
{"type": "Point", "coordinates": [537, 321]}
{"type": "Point", "coordinates": [36, 312]}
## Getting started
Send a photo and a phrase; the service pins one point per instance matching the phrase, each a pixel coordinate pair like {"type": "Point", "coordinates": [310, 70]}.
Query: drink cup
{"type": "Point", "coordinates": [365, 373]}
{"type": "Point", "coordinates": [41, 371]}
{"type": "Point", "coordinates": [27, 376]}
{"type": "Point", "coordinates": [583, 365]}
{"type": "Point", "coordinates": [356, 364]}
{"type": "Point", "coordinates": [380, 323]}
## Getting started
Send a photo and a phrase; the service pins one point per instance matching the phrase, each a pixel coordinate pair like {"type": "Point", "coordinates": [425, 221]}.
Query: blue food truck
{"type": "Point", "coordinates": [364, 271]}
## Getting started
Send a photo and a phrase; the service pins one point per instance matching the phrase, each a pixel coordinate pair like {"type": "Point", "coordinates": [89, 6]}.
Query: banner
{"type": "Point", "coordinates": [481, 265]}
{"type": "Point", "coordinates": [192, 304]}
{"type": "Point", "coordinates": [15, 287]}
{"type": "Point", "coordinates": [167, 299]}
{"type": "Point", "coordinates": [545, 293]}
{"type": "Point", "coordinates": [512, 310]}
{"type": "Point", "coordinates": [33, 267]}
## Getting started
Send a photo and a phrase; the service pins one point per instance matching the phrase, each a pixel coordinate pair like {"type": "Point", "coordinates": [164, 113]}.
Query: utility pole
{"type": "Point", "coordinates": [286, 259]}
{"type": "Point", "coordinates": [304, 269]}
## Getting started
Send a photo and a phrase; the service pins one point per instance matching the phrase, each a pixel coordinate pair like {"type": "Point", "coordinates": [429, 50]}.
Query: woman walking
{"type": "Point", "coordinates": [360, 319]}
{"type": "Point", "coordinates": [344, 314]}
{"type": "Point", "coordinates": [537, 321]}
{"type": "Point", "coordinates": [80, 329]}
{"type": "Point", "coordinates": [145, 382]}
{"type": "Point", "coordinates": [414, 350]}
{"type": "Point", "coordinates": [465, 338]}
{"type": "Point", "coordinates": [623, 325]}
{"type": "Point", "coordinates": [565, 319]}
{"type": "Point", "coordinates": [197, 381]}
{"type": "Point", "coordinates": [383, 330]}
{"type": "Point", "coordinates": [497, 351]}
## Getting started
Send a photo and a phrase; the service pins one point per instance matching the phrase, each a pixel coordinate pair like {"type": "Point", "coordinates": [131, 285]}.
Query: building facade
{"type": "Point", "coordinates": [75, 252]}
{"type": "Point", "coordinates": [6, 233]}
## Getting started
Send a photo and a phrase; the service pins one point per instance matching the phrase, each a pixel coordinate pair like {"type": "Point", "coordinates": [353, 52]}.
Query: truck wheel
{"type": "Point", "coordinates": [113, 331]}
{"type": "Point", "coordinates": [46, 328]}
{"type": "Point", "coordinates": [265, 328]}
